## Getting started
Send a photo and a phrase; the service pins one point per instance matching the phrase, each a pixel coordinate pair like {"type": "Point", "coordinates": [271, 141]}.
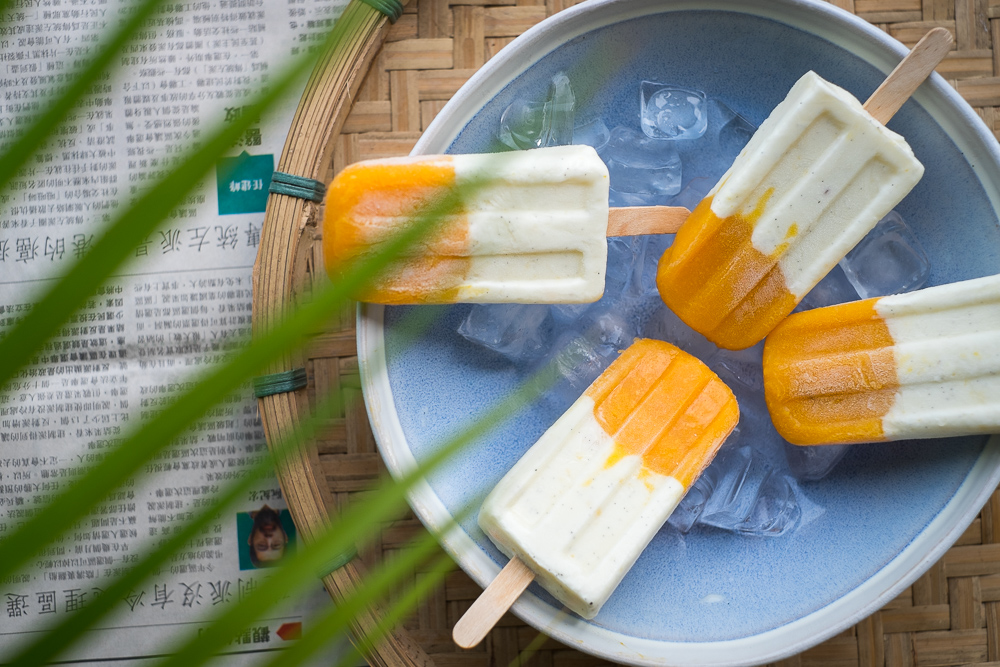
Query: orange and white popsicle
{"type": "Point", "coordinates": [531, 226]}
{"type": "Point", "coordinates": [919, 365]}
{"type": "Point", "coordinates": [814, 179]}
{"type": "Point", "coordinates": [580, 506]}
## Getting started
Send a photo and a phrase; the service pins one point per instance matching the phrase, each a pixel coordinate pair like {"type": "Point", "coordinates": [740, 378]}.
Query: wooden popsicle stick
{"type": "Point", "coordinates": [636, 220]}
{"type": "Point", "coordinates": [484, 613]}
{"type": "Point", "coordinates": [883, 104]}
{"type": "Point", "coordinates": [903, 81]}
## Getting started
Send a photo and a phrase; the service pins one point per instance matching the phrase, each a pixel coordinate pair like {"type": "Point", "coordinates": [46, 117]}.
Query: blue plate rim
{"type": "Point", "coordinates": [938, 99]}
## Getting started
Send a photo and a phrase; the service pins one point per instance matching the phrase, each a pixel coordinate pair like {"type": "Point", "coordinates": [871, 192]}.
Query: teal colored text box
{"type": "Point", "coordinates": [242, 183]}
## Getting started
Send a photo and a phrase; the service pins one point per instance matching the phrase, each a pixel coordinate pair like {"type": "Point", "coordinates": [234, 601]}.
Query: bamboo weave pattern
{"type": "Point", "coordinates": [950, 616]}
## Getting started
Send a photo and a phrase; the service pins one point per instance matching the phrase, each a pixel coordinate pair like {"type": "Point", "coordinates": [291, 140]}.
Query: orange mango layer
{"type": "Point", "coordinates": [714, 279]}
{"type": "Point", "coordinates": [830, 375]}
{"type": "Point", "coordinates": [368, 204]}
{"type": "Point", "coordinates": [660, 402]}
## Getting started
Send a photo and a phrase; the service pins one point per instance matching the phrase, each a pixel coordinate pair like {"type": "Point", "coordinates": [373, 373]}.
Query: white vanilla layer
{"type": "Point", "coordinates": [947, 350]}
{"type": "Point", "coordinates": [576, 522]}
{"type": "Point", "coordinates": [538, 222]}
{"type": "Point", "coordinates": [833, 170]}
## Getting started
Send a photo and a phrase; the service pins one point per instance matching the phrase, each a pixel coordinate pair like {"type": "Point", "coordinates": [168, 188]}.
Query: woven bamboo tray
{"type": "Point", "coordinates": [373, 100]}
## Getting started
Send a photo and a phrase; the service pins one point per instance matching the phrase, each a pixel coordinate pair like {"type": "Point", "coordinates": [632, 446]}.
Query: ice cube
{"type": "Point", "coordinates": [730, 130]}
{"type": "Point", "coordinates": [577, 360]}
{"type": "Point", "coordinates": [814, 462]}
{"type": "Point", "coordinates": [585, 358]}
{"type": "Point", "coordinates": [671, 112]}
{"type": "Point", "coordinates": [693, 193]}
{"type": "Point", "coordinates": [568, 313]}
{"type": "Point", "coordinates": [689, 510]}
{"type": "Point", "coordinates": [625, 199]}
{"type": "Point", "coordinates": [834, 288]}
{"type": "Point", "coordinates": [639, 165]}
{"type": "Point", "coordinates": [710, 156]}
{"type": "Point", "coordinates": [518, 331]}
{"type": "Point", "coordinates": [521, 125]}
{"type": "Point", "coordinates": [582, 353]}
{"type": "Point", "coordinates": [889, 260]}
{"type": "Point", "coordinates": [656, 245]}
{"type": "Point", "coordinates": [612, 327]}
{"type": "Point", "coordinates": [776, 511]}
{"type": "Point", "coordinates": [626, 256]}
{"type": "Point", "coordinates": [562, 112]}
{"type": "Point", "coordinates": [741, 366]}
{"type": "Point", "coordinates": [592, 133]}
{"type": "Point", "coordinates": [744, 377]}
{"type": "Point", "coordinates": [629, 282]}
{"type": "Point", "coordinates": [665, 325]}
{"type": "Point", "coordinates": [528, 124]}
{"type": "Point", "coordinates": [747, 495]}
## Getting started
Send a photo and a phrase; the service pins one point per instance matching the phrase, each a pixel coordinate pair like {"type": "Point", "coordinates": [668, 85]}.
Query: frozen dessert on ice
{"type": "Point", "coordinates": [580, 506]}
{"type": "Point", "coordinates": [814, 179]}
{"type": "Point", "coordinates": [528, 227]}
{"type": "Point", "coordinates": [920, 365]}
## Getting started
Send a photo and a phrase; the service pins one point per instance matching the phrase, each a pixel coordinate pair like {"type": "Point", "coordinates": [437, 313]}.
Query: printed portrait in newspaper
{"type": "Point", "coordinates": [266, 536]}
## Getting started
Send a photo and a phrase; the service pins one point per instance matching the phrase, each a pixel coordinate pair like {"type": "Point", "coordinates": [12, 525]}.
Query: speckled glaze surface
{"type": "Point", "coordinates": [888, 511]}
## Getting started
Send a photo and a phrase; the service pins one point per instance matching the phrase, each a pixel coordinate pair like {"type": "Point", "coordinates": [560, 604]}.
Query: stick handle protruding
{"type": "Point", "coordinates": [636, 220]}
{"type": "Point", "coordinates": [498, 597]}
{"type": "Point", "coordinates": [903, 81]}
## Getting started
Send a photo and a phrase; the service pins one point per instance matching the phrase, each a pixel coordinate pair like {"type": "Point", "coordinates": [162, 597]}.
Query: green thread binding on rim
{"type": "Point", "coordinates": [391, 8]}
{"type": "Point", "coordinates": [313, 190]}
{"type": "Point", "coordinates": [297, 186]}
{"type": "Point", "coordinates": [279, 383]}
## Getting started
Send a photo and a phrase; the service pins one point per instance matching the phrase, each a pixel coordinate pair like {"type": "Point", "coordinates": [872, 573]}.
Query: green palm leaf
{"type": "Point", "coordinates": [81, 82]}
{"type": "Point", "coordinates": [432, 575]}
{"type": "Point", "coordinates": [353, 525]}
{"type": "Point", "coordinates": [120, 240]}
{"type": "Point", "coordinates": [63, 635]}
{"type": "Point", "coordinates": [127, 458]}
{"type": "Point", "coordinates": [21, 343]}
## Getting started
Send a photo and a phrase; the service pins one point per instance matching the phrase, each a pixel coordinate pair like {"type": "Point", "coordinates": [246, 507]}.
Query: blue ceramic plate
{"type": "Point", "coordinates": [888, 511]}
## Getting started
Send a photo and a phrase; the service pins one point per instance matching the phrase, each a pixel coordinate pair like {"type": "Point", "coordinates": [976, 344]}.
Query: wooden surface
{"type": "Point", "coordinates": [950, 616]}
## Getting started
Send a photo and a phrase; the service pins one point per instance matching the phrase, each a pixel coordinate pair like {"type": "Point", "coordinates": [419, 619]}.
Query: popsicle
{"type": "Point", "coordinates": [919, 365]}
{"type": "Point", "coordinates": [531, 227]}
{"type": "Point", "coordinates": [580, 506]}
{"type": "Point", "coordinates": [814, 179]}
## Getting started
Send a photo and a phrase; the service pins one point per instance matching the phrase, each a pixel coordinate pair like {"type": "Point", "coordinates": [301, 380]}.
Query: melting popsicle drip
{"type": "Point", "coordinates": [667, 407]}
{"type": "Point", "coordinates": [738, 296]}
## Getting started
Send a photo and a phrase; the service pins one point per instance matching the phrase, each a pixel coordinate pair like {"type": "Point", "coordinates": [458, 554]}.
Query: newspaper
{"type": "Point", "coordinates": [182, 303]}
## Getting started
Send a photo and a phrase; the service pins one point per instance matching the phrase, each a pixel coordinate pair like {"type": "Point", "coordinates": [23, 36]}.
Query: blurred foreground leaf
{"type": "Point", "coordinates": [20, 344]}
